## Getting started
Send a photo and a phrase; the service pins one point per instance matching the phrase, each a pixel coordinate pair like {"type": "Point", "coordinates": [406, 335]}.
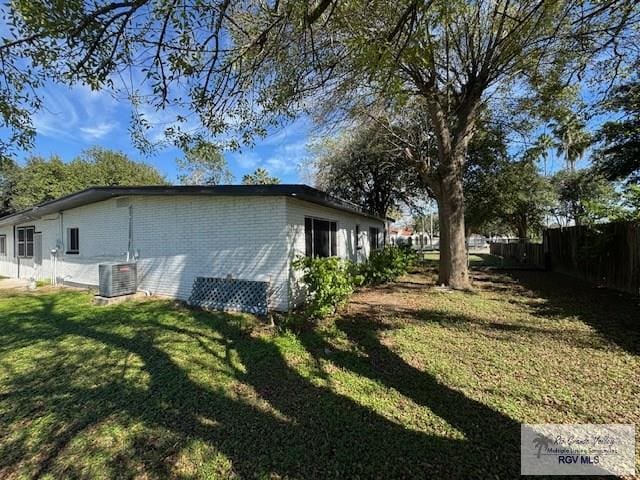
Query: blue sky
{"type": "Point", "coordinates": [74, 119]}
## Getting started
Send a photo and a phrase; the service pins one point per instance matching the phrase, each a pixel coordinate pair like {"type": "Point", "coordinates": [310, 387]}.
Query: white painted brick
{"type": "Point", "coordinates": [182, 237]}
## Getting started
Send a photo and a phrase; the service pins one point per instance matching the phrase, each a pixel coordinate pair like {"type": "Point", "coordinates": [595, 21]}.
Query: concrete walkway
{"type": "Point", "coordinates": [13, 284]}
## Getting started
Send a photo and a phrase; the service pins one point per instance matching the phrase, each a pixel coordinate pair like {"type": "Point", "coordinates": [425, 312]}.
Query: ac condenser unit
{"type": "Point", "coordinates": [116, 279]}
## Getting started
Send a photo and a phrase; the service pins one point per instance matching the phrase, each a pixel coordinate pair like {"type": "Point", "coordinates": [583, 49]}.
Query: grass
{"type": "Point", "coordinates": [408, 381]}
{"type": "Point", "coordinates": [476, 260]}
{"type": "Point", "coordinates": [45, 282]}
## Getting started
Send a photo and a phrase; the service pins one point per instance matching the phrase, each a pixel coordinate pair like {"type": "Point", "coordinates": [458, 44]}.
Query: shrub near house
{"type": "Point", "coordinates": [387, 264]}
{"type": "Point", "coordinates": [330, 281]}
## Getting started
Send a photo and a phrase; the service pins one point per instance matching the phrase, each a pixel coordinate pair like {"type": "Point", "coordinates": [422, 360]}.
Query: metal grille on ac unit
{"type": "Point", "coordinates": [117, 279]}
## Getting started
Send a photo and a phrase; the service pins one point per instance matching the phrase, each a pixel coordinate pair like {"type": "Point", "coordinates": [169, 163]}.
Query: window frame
{"type": "Point", "coordinates": [25, 242]}
{"type": "Point", "coordinates": [374, 238]}
{"type": "Point", "coordinates": [310, 241]}
{"type": "Point", "coordinates": [358, 237]}
{"type": "Point", "coordinates": [3, 245]}
{"type": "Point", "coordinates": [69, 250]}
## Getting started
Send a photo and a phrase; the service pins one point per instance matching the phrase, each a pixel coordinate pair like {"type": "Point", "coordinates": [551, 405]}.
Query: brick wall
{"type": "Point", "coordinates": [178, 238]}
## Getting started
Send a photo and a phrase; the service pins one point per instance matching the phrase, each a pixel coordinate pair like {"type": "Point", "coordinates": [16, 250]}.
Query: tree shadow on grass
{"type": "Point", "coordinates": [614, 315]}
{"type": "Point", "coordinates": [492, 439]}
{"type": "Point", "coordinates": [286, 426]}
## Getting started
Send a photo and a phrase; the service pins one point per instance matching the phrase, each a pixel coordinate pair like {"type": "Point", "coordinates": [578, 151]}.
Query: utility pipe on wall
{"type": "Point", "coordinates": [130, 253]}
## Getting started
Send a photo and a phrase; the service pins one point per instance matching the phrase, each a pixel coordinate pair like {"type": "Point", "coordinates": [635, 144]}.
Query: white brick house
{"type": "Point", "coordinates": [176, 234]}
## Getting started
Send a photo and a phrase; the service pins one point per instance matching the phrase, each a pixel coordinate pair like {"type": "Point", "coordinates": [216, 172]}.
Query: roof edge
{"type": "Point", "coordinates": [100, 193]}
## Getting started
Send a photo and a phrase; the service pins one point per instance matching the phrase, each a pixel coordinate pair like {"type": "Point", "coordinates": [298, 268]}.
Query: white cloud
{"type": "Point", "coordinates": [281, 166]}
{"type": "Point", "coordinates": [280, 153]}
{"type": "Point", "coordinates": [76, 114]}
{"type": "Point", "coordinates": [247, 161]}
{"type": "Point", "coordinates": [96, 132]}
{"type": "Point", "coordinates": [288, 133]}
{"type": "Point", "coordinates": [296, 148]}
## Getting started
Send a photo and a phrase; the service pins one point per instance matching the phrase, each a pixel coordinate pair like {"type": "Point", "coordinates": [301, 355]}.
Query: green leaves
{"type": "Point", "coordinates": [585, 197]}
{"type": "Point", "coordinates": [328, 283]}
{"type": "Point", "coordinates": [203, 164]}
{"type": "Point", "coordinates": [508, 196]}
{"type": "Point", "coordinates": [260, 177]}
{"type": "Point", "coordinates": [619, 155]}
{"type": "Point", "coordinates": [368, 165]}
{"type": "Point", "coordinates": [43, 179]}
{"type": "Point", "coordinates": [241, 66]}
{"type": "Point", "coordinates": [386, 265]}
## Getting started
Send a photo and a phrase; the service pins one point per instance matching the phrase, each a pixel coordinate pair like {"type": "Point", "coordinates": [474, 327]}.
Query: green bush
{"type": "Point", "coordinates": [386, 265]}
{"type": "Point", "coordinates": [329, 283]}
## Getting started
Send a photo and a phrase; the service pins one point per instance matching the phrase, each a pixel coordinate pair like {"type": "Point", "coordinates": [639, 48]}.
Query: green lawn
{"type": "Point", "coordinates": [475, 260]}
{"type": "Point", "coordinates": [409, 381]}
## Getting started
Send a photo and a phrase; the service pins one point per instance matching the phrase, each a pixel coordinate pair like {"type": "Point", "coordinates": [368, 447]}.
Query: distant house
{"type": "Point", "coordinates": [401, 235]}
{"type": "Point", "coordinates": [407, 236]}
{"type": "Point", "coordinates": [179, 233]}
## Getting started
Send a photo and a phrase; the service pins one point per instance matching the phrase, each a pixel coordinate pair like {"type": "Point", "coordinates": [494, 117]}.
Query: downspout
{"type": "Point", "coordinates": [130, 254]}
{"type": "Point", "coordinates": [59, 248]}
{"type": "Point", "coordinates": [61, 243]}
{"type": "Point", "coordinates": [15, 256]}
{"type": "Point", "coordinates": [55, 268]}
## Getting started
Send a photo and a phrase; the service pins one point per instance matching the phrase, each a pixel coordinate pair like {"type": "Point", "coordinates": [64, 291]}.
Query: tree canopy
{"type": "Point", "coordinates": [619, 156]}
{"type": "Point", "coordinates": [583, 197]}
{"type": "Point", "coordinates": [259, 177]}
{"type": "Point", "coordinates": [242, 65]}
{"type": "Point", "coordinates": [40, 179]}
{"type": "Point", "coordinates": [203, 164]}
{"type": "Point", "coordinates": [503, 194]}
{"type": "Point", "coordinates": [367, 165]}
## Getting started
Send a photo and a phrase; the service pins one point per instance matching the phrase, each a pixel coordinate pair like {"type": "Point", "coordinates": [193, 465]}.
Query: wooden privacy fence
{"type": "Point", "coordinates": [606, 254]}
{"type": "Point", "coordinates": [526, 254]}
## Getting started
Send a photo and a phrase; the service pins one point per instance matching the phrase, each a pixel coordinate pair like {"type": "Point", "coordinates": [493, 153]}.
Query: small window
{"type": "Point", "coordinates": [25, 241]}
{"type": "Point", "coordinates": [320, 238]}
{"type": "Point", "coordinates": [358, 239]}
{"type": "Point", "coordinates": [374, 234]}
{"type": "Point", "coordinates": [73, 240]}
{"type": "Point", "coordinates": [3, 245]}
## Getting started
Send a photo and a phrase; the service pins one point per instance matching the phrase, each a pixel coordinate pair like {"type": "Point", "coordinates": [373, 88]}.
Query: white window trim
{"type": "Point", "coordinates": [25, 241]}
{"type": "Point", "coordinates": [68, 250]}
{"type": "Point", "coordinates": [323, 219]}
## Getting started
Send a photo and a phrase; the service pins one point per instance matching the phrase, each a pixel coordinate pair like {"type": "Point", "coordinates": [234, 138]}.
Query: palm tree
{"type": "Point", "coordinates": [573, 139]}
{"type": "Point", "coordinates": [540, 150]}
{"type": "Point", "coordinates": [541, 441]}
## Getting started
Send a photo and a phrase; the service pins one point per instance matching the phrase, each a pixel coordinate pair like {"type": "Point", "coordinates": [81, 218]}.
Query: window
{"type": "Point", "coordinates": [73, 240]}
{"type": "Point", "coordinates": [3, 245]}
{"type": "Point", "coordinates": [25, 241]}
{"type": "Point", "coordinates": [374, 233]}
{"type": "Point", "coordinates": [320, 238]}
{"type": "Point", "coordinates": [358, 239]}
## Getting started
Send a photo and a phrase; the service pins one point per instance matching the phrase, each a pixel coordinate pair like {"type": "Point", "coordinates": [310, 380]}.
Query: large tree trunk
{"type": "Point", "coordinates": [444, 269]}
{"type": "Point", "coordinates": [523, 231]}
{"type": "Point", "coordinates": [446, 183]}
{"type": "Point", "coordinates": [453, 251]}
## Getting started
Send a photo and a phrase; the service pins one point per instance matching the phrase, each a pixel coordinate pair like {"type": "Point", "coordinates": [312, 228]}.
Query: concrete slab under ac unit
{"type": "Point", "coordinates": [103, 301]}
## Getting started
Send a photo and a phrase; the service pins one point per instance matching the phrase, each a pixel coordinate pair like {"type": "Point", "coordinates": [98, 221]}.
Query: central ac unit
{"type": "Point", "coordinates": [116, 279]}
